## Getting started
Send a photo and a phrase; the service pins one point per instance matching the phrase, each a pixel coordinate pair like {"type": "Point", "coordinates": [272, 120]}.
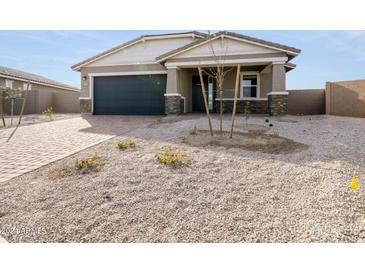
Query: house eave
{"type": "Point", "coordinates": [291, 52]}
{"type": "Point", "coordinates": [137, 40]}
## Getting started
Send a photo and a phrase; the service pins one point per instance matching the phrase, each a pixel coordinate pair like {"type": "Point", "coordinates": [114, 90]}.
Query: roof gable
{"type": "Point", "coordinates": [184, 38]}
{"type": "Point", "coordinates": [243, 44]}
{"type": "Point", "coordinates": [141, 52]}
{"type": "Point", "coordinates": [221, 47]}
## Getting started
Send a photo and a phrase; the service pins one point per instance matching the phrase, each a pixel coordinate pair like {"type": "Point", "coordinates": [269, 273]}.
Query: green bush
{"type": "Point", "coordinates": [48, 112]}
{"type": "Point", "coordinates": [124, 144]}
{"type": "Point", "coordinates": [171, 158]}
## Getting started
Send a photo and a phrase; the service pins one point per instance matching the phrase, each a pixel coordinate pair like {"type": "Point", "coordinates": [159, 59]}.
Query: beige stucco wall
{"type": "Point", "coordinates": [40, 97]}
{"type": "Point", "coordinates": [113, 69]}
{"type": "Point", "coordinates": [306, 102]}
{"type": "Point", "coordinates": [265, 83]}
{"type": "Point", "coordinates": [346, 98]}
{"type": "Point", "coordinates": [185, 86]}
{"type": "Point", "coordinates": [278, 77]}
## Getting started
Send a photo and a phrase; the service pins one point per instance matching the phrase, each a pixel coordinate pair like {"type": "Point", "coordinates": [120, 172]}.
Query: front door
{"type": "Point", "coordinates": [198, 99]}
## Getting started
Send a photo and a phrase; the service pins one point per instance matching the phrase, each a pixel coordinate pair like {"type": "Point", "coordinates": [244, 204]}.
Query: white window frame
{"type": "Point", "coordinates": [250, 73]}
{"type": "Point", "coordinates": [9, 83]}
{"type": "Point", "coordinates": [25, 85]}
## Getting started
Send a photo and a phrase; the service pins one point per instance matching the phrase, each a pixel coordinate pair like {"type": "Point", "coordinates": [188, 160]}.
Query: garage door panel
{"type": "Point", "coordinates": [130, 95]}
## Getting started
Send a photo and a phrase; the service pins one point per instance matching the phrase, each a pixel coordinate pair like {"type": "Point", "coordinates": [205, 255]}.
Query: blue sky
{"type": "Point", "coordinates": [326, 55]}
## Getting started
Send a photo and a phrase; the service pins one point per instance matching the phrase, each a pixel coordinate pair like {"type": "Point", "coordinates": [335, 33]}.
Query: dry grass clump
{"type": "Point", "coordinates": [124, 144]}
{"type": "Point", "coordinates": [82, 166]}
{"type": "Point", "coordinates": [59, 173]}
{"type": "Point", "coordinates": [171, 158]}
{"type": "Point", "coordinates": [89, 164]}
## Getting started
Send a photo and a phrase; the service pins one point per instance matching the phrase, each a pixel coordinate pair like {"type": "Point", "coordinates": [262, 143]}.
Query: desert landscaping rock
{"type": "Point", "coordinates": [223, 195]}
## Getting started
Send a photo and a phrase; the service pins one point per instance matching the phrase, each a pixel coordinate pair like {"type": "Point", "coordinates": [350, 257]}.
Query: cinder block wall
{"type": "Point", "coordinates": [41, 97]}
{"type": "Point", "coordinates": [306, 102]}
{"type": "Point", "coordinates": [346, 98]}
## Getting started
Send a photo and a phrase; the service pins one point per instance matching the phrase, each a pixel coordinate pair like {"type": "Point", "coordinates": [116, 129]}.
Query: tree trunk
{"type": "Point", "coordinates": [23, 104]}
{"type": "Point", "coordinates": [12, 111]}
{"type": "Point", "coordinates": [220, 110]}
{"type": "Point", "coordinates": [2, 109]}
{"type": "Point", "coordinates": [235, 99]}
{"type": "Point", "coordinates": [205, 101]}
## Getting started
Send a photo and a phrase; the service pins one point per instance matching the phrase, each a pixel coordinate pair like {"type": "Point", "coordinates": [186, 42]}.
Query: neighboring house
{"type": "Point", "coordinates": [157, 74]}
{"type": "Point", "coordinates": [43, 93]}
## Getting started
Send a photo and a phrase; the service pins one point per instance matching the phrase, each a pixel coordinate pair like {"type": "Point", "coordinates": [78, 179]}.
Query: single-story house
{"type": "Point", "coordinates": [158, 74]}
{"type": "Point", "coordinates": [43, 93]}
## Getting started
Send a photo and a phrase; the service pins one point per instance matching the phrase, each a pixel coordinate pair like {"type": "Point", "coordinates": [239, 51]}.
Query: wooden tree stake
{"type": "Point", "coordinates": [23, 104]}
{"type": "Point", "coordinates": [235, 99]}
{"type": "Point", "coordinates": [205, 101]}
{"type": "Point", "coordinates": [1, 109]}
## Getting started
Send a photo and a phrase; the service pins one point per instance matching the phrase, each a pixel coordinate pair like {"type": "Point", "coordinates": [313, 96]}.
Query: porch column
{"type": "Point", "coordinates": [278, 97]}
{"type": "Point", "coordinates": [174, 103]}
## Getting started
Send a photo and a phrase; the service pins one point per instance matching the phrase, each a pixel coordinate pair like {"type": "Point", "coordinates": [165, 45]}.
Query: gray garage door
{"type": "Point", "coordinates": [130, 95]}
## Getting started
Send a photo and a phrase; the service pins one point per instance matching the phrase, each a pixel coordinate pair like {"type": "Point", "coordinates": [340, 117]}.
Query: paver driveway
{"type": "Point", "coordinates": [36, 145]}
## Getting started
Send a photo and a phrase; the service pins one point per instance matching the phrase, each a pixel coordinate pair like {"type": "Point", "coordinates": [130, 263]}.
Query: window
{"type": "Point", "coordinates": [250, 85]}
{"type": "Point", "coordinates": [25, 85]}
{"type": "Point", "coordinates": [9, 83]}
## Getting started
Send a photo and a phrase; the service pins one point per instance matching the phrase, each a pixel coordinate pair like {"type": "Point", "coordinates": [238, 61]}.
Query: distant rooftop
{"type": "Point", "coordinates": [34, 78]}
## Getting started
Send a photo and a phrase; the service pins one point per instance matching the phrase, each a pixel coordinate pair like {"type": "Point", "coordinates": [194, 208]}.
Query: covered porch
{"type": "Point", "coordinates": [262, 84]}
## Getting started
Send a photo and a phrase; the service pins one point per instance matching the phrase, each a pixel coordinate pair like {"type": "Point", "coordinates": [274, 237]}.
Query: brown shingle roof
{"type": "Point", "coordinates": [227, 33]}
{"type": "Point", "coordinates": [26, 76]}
{"type": "Point", "coordinates": [131, 42]}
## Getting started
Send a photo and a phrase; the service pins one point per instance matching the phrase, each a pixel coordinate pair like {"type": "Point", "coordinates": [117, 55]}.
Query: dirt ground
{"type": "Point", "coordinates": [253, 140]}
{"type": "Point", "coordinates": [229, 192]}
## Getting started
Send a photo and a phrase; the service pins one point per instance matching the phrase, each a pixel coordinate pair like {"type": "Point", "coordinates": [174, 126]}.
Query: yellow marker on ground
{"type": "Point", "coordinates": [354, 184]}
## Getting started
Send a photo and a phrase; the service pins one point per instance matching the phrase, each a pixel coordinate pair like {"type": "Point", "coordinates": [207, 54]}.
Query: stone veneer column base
{"type": "Point", "coordinates": [278, 104]}
{"type": "Point", "coordinates": [174, 104]}
{"type": "Point", "coordinates": [256, 106]}
{"type": "Point", "coordinates": [85, 105]}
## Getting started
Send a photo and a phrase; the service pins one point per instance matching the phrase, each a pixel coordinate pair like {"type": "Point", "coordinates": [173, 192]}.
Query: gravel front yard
{"type": "Point", "coordinates": [224, 195]}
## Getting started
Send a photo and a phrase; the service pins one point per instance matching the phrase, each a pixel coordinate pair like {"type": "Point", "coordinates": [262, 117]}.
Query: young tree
{"type": "Point", "coordinates": [235, 100]}
{"type": "Point", "coordinates": [219, 72]}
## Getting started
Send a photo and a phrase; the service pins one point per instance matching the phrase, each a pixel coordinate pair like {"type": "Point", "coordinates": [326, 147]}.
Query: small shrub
{"type": "Point", "coordinates": [85, 165]}
{"type": "Point", "coordinates": [171, 158]}
{"type": "Point", "coordinates": [247, 112]}
{"type": "Point", "coordinates": [194, 131]}
{"type": "Point", "coordinates": [11, 94]}
{"type": "Point", "coordinates": [124, 144]}
{"type": "Point", "coordinates": [48, 112]}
